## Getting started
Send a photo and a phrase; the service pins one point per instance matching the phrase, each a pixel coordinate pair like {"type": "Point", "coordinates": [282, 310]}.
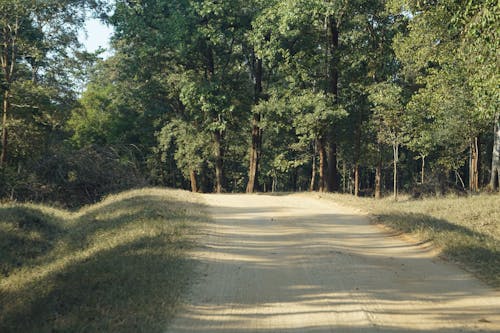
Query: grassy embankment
{"type": "Point", "coordinates": [116, 266]}
{"type": "Point", "coordinates": [464, 229]}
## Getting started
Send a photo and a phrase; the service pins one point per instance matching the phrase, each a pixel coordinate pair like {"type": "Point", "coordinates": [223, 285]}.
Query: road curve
{"type": "Point", "coordinates": [295, 263]}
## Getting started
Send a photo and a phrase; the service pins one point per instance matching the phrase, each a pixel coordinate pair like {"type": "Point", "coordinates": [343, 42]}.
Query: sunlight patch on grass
{"type": "Point", "coordinates": [117, 266]}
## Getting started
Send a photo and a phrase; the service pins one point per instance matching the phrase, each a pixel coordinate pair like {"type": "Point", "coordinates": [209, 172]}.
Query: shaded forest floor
{"type": "Point", "coordinates": [465, 230]}
{"type": "Point", "coordinates": [117, 266]}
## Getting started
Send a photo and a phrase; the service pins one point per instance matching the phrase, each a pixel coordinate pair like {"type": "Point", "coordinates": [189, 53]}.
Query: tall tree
{"type": "Point", "coordinates": [389, 114]}
{"type": "Point", "coordinates": [34, 37]}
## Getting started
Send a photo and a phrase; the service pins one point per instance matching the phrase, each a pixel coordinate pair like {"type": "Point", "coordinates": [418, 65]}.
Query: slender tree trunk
{"type": "Point", "coordinates": [8, 63]}
{"type": "Point", "coordinates": [313, 171]}
{"type": "Point", "coordinates": [473, 164]}
{"type": "Point", "coordinates": [422, 173]}
{"type": "Point", "coordinates": [395, 148]}
{"type": "Point", "coordinates": [322, 165]}
{"type": "Point", "coordinates": [344, 171]}
{"type": "Point", "coordinates": [274, 185]}
{"type": "Point", "coordinates": [192, 177]}
{"type": "Point", "coordinates": [356, 179]}
{"type": "Point", "coordinates": [219, 172]}
{"type": "Point", "coordinates": [378, 181]}
{"type": "Point", "coordinates": [378, 174]}
{"type": "Point", "coordinates": [256, 147]}
{"type": "Point", "coordinates": [5, 110]}
{"type": "Point", "coordinates": [495, 159]}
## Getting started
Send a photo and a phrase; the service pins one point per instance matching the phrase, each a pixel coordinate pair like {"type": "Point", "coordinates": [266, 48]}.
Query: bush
{"type": "Point", "coordinates": [73, 178]}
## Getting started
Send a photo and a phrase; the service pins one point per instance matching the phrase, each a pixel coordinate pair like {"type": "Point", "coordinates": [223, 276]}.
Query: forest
{"type": "Point", "coordinates": [370, 97]}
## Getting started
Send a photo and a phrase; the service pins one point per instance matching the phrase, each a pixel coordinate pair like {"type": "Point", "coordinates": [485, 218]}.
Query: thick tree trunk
{"type": "Point", "coordinates": [255, 152]}
{"type": "Point", "coordinates": [256, 147]}
{"type": "Point", "coordinates": [395, 148]}
{"type": "Point", "coordinates": [356, 179]}
{"type": "Point", "coordinates": [473, 166]}
{"type": "Point", "coordinates": [333, 78]}
{"type": "Point", "coordinates": [332, 183]}
{"type": "Point", "coordinates": [219, 172]}
{"type": "Point", "coordinates": [495, 159]}
{"type": "Point", "coordinates": [322, 165]}
{"type": "Point", "coordinates": [192, 177]}
{"type": "Point", "coordinates": [5, 110]}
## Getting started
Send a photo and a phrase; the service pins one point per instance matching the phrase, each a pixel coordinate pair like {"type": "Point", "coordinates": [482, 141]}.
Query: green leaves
{"type": "Point", "coordinates": [389, 109]}
{"type": "Point", "coordinates": [315, 113]}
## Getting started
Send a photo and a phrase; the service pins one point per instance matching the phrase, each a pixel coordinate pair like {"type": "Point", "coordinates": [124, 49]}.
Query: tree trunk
{"type": "Point", "coordinates": [5, 110]}
{"type": "Point", "coordinates": [332, 183]}
{"type": "Point", "coordinates": [8, 62]}
{"type": "Point", "coordinates": [322, 165]}
{"type": "Point", "coordinates": [495, 159]}
{"type": "Point", "coordinates": [333, 78]}
{"type": "Point", "coordinates": [255, 153]}
{"type": "Point", "coordinates": [192, 177]}
{"type": "Point", "coordinates": [356, 179]}
{"type": "Point", "coordinates": [256, 147]}
{"type": "Point", "coordinates": [313, 171]}
{"type": "Point", "coordinates": [395, 148]}
{"type": "Point", "coordinates": [219, 173]}
{"type": "Point", "coordinates": [473, 164]}
{"type": "Point", "coordinates": [378, 174]}
{"type": "Point", "coordinates": [344, 171]}
{"type": "Point", "coordinates": [378, 180]}
{"type": "Point", "coordinates": [422, 174]}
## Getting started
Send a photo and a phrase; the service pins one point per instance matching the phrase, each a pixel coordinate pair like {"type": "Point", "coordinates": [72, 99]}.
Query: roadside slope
{"type": "Point", "coordinates": [298, 264]}
{"type": "Point", "coordinates": [117, 266]}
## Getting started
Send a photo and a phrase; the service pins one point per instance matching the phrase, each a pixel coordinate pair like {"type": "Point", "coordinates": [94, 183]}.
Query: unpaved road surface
{"type": "Point", "coordinates": [300, 264]}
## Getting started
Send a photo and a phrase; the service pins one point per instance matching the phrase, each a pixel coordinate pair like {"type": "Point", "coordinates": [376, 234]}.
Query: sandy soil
{"type": "Point", "coordinates": [300, 264]}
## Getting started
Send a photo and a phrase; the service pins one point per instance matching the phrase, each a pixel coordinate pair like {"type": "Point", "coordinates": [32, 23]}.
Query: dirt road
{"type": "Point", "coordinates": [300, 264]}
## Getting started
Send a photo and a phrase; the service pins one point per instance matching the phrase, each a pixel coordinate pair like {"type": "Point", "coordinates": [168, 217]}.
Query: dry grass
{"type": "Point", "coordinates": [464, 229]}
{"type": "Point", "coordinates": [117, 266]}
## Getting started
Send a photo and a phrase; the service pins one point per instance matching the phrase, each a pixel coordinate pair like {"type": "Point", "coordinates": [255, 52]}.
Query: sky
{"type": "Point", "coordinates": [98, 34]}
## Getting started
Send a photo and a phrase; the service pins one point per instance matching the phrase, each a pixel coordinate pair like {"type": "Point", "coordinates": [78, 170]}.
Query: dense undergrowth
{"type": "Point", "coordinates": [116, 266]}
{"type": "Point", "coordinates": [464, 229]}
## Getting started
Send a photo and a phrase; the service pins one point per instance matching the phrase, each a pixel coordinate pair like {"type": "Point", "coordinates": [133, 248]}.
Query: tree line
{"type": "Point", "coordinates": [366, 97]}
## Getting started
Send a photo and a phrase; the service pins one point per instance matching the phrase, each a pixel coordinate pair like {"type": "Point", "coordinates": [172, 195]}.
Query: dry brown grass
{"type": "Point", "coordinates": [464, 229]}
{"type": "Point", "coordinates": [117, 266]}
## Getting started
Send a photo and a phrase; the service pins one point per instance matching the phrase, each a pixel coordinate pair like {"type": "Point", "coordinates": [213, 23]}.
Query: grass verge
{"type": "Point", "coordinates": [117, 266]}
{"type": "Point", "coordinates": [465, 229]}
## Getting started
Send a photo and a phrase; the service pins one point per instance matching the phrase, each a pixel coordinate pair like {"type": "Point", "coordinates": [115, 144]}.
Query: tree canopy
{"type": "Point", "coordinates": [255, 95]}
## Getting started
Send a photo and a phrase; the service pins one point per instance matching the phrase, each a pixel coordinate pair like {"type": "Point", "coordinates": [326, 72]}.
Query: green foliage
{"type": "Point", "coordinates": [389, 112]}
{"type": "Point", "coordinates": [193, 86]}
{"type": "Point", "coordinates": [314, 113]}
{"type": "Point", "coordinates": [191, 145]}
{"type": "Point", "coordinates": [72, 178]}
{"type": "Point", "coordinates": [93, 121]}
